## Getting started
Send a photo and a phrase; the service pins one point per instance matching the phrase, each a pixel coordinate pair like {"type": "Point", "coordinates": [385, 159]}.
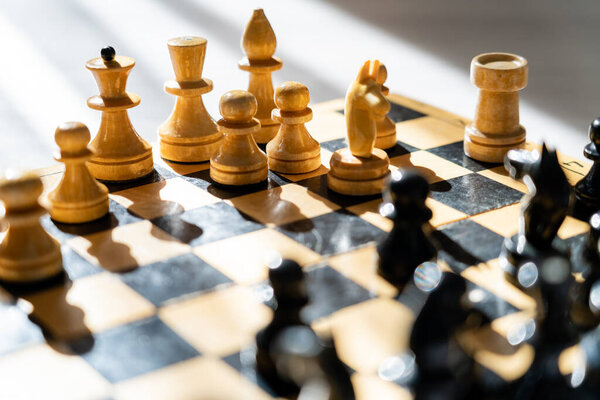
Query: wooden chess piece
{"type": "Point", "coordinates": [386, 128]}
{"type": "Point", "coordinates": [27, 252]}
{"type": "Point", "coordinates": [238, 161]}
{"type": "Point", "coordinates": [119, 153]}
{"type": "Point", "coordinates": [190, 134]}
{"type": "Point", "coordinates": [587, 190]}
{"type": "Point", "coordinates": [361, 169]}
{"type": "Point", "coordinates": [496, 129]}
{"type": "Point", "coordinates": [293, 150]}
{"type": "Point", "coordinates": [259, 44]}
{"type": "Point", "coordinates": [78, 197]}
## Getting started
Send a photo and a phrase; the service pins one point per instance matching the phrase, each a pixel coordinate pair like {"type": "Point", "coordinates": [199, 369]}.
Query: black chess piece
{"type": "Point", "coordinates": [287, 280]}
{"type": "Point", "coordinates": [335, 371]}
{"type": "Point", "coordinates": [445, 370]}
{"type": "Point", "coordinates": [585, 258]}
{"type": "Point", "coordinates": [408, 244]}
{"type": "Point", "coordinates": [543, 210]}
{"type": "Point", "coordinates": [587, 190]}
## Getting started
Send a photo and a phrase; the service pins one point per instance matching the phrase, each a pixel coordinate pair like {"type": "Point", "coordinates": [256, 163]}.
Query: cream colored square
{"type": "Point", "coordinates": [244, 258]}
{"type": "Point", "coordinates": [196, 379]}
{"type": "Point", "coordinates": [218, 323]}
{"type": "Point", "coordinates": [361, 267]}
{"type": "Point", "coordinates": [572, 227]}
{"type": "Point", "coordinates": [283, 204]}
{"type": "Point", "coordinates": [369, 332]}
{"type": "Point", "coordinates": [428, 132]}
{"type": "Point", "coordinates": [499, 174]}
{"type": "Point", "coordinates": [432, 167]}
{"type": "Point", "coordinates": [126, 247]}
{"type": "Point", "coordinates": [575, 169]}
{"type": "Point", "coordinates": [504, 221]}
{"type": "Point", "coordinates": [40, 372]}
{"type": "Point", "coordinates": [442, 213]}
{"type": "Point", "coordinates": [323, 169]}
{"type": "Point", "coordinates": [89, 305]}
{"type": "Point", "coordinates": [370, 386]}
{"type": "Point", "coordinates": [164, 197]}
{"type": "Point", "coordinates": [327, 124]}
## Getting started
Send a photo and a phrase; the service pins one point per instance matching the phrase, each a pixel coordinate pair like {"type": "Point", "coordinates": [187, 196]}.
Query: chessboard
{"type": "Point", "coordinates": [163, 297]}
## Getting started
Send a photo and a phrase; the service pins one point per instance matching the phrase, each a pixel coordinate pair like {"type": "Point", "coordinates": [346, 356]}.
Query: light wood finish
{"type": "Point", "coordinates": [27, 252]}
{"type": "Point", "coordinates": [496, 128]}
{"type": "Point", "coordinates": [238, 161]}
{"type": "Point", "coordinates": [190, 134]}
{"type": "Point", "coordinates": [293, 150]}
{"type": "Point", "coordinates": [120, 154]}
{"type": "Point", "coordinates": [386, 128]}
{"type": "Point", "coordinates": [259, 43]}
{"type": "Point", "coordinates": [361, 169]}
{"type": "Point", "coordinates": [78, 197]}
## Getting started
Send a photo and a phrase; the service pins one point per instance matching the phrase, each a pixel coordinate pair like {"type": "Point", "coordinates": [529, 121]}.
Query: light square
{"type": "Point", "coordinates": [428, 132]}
{"type": "Point", "coordinates": [432, 167]}
{"type": "Point", "coordinates": [572, 227]}
{"type": "Point", "coordinates": [499, 174]}
{"type": "Point", "coordinates": [327, 125]}
{"type": "Point", "coordinates": [504, 221]}
{"type": "Point", "coordinates": [219, 323]}
{"type": "Point", "coordinates": [164, 197]}
{"type": "Point", "coordinates": [245, 258]}
{"type": "Point", "coordinates": [283, 204]}
{"type": "Point", "coordinates": [128, 246]}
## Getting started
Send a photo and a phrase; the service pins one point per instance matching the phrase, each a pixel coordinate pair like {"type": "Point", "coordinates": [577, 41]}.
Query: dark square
{"type": "Point", "coordinates": [330, 291]}
{"type": "Point", "coordinates": [318, 185]}
{"type": "Point", "coordinates": [17, 329]}
{"type": "Point", "coordinates": [117, 216]}
{"type": "Point", "coordinates": [137, 348]}
{"type": "Point", "coordinates": [474, 194]}
{"type": "Point", "coordinates": [334, 145]}
{"type": "Point", "coordinates": [207, 224]}
{"type": "Point", "coordinates": [454, 152]}
{"type": "Point", "coordinates": [336, 232]}
{"type": "Point", "coordinates": [173, 278]}
{"type": "Point", "coordinates": [244, 362]}
{"type": "Point", "coordinates": [76, 266]}
{"type": "Point", "coordinates": [158, 174]}
{"type": "Point", "coordinates": [399, 113]}
{"type": "Point", "coordinates": [465, 243]}
{"type": "Point", "coordinates": [202, 180]}
{"type": "Point", "coordinates": [399, 149]}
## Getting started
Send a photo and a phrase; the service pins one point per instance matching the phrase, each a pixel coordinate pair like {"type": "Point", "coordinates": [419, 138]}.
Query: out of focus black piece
{"type": "Point", "coordinates": [587, 190]}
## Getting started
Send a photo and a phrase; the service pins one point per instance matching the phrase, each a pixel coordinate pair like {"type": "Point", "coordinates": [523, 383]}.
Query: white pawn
{"type": "Point", "coordinates": [78, 197]}
{"type": "Point", "coordinates": [239, 161]}
{"type": "Point", "coordinates": [293, 150]}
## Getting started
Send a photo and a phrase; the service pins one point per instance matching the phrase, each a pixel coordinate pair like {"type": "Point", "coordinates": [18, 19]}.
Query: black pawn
{"type": "Point", "coordinates": [587, 190]}
{"type": "Point", "coordinates": [407, 245]}
{"type": "Point", "coordinates": [287, 280]}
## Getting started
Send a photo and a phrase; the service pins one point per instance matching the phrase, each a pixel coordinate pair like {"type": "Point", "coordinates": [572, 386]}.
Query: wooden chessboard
{"type": "Point", "coordinates": [165, 294]}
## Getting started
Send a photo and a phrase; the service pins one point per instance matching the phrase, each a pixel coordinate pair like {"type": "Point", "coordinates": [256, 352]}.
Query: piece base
{"type": "Point", "coordinates": [191, 150]}
{"type": "Point", "coordinates": [295, 166]}
{"type": "Point", "coordinates": [116, 170]}
{"type": "Point", "coordinates": [491, 148]}
{"type": "Point", "coordinates": [42, 268]}
{"type": "Point", "coordinates": [240, 178]}
{"type": "Point", "coordinates": [77, 213]}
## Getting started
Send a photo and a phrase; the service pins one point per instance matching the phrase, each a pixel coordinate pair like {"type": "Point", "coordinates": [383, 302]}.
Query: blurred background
{"type": "Point", "coordinates": [427, 46]}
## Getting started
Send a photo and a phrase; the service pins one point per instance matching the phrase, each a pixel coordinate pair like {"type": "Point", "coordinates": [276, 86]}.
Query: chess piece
{"type": "Point", "coordinates": [190, 134]}
{"type": "Point", "coordinates": [78, 197]}
{"type": "Point", "coordinates": [543, 211]}
{"type": "Point", "coordinates": [336, 374]}
{"type": "Point", "coordinates": [386, 128]}
{"type": "Point", "coordinates": [119, 153]}
{"type": "Point", "coordinates": [287, 280]}
{"type": "Point", "coordinates": [587, 190]}
{"type": "Point", "coordinates": [259, 43]}
{"type": "Point", "coordinates": [27, 252]}
{"type": "Point", "coordinates": [238, 161]}
{"type": "Point", "coordinates": [361, 169]}
{"type": "Point", "coordinates": [408, 244]}
{"type": "Point", "coordinates": [293, 150]}
{"type": "Point", "coordinates": [496, 129]}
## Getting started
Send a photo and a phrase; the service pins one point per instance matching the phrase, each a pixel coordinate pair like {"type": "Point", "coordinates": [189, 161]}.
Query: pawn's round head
{"type": "Point", "coordinates": [20, 190]}
{"type": "Point", "coordinates": [595, 132]}
{"type": "Point", "coordinates": [292, 96]}
{"type": "Point", "coordinates": [406, 187]}
{"type": "Point", "coordinates": [238, 106]}
{"type": "Point", "coordinates": [72, 137]}
{"type": "Point", "coordinates": [108, 53]}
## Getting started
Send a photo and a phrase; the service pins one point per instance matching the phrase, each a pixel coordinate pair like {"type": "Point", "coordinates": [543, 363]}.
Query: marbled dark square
{"type": "Point", "coordinates": [454, 152]}
{"type": "Point", "coordinates": [76, 266]}
{"type": "Point", "coordinates": [17, 329]}
{"type": "Point", "coordinates": [202, 180]}
{"type": "Point", "coordinates": [318, 185]}
{"type": "Point", "coordinates": [207, 224]}
{"type": "Point", "coordinates": [173, 278]}
{"type": "Point", "coordinates": [336, 232]}
{"type": "Point", "coordinates": [334, 145]}
{"type": "Point", "coordinates": [329, 291]}
{"type": "Point", "coordinates": [137, 348]}
{"type": "Point", "coordinates": [474, 194]}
